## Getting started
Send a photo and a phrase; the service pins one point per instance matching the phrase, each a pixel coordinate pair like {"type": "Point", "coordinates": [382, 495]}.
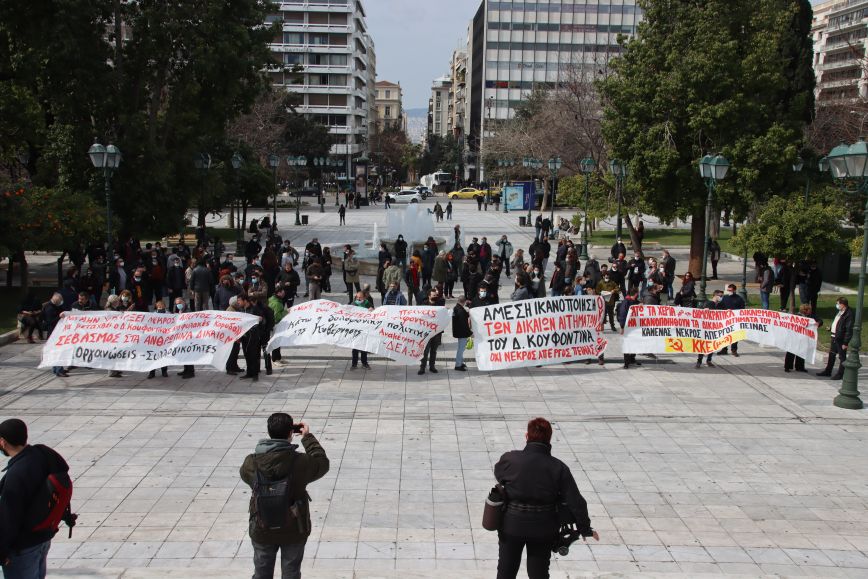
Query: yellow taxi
{"type": "Point", "coordinates": [467, 193]}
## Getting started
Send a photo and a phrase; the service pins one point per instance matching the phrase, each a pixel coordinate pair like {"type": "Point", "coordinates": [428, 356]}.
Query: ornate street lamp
{"type": "Point", "coordinates": [851, 164]}
{"type": "Point", "coordinates": [798, 165]}
{"type": "Point", "coordinates": [108, 159]}
{"type": "Point", "coordinates": [236, 161]}
{"type": "Point", "coordinates": [532, 165]}
{"type": "Point", "coordinates": [619, 170]}
{"type": "Point", "coordinates": [712, 168]}
{"type": "Point", "coordinates": [586, 167]}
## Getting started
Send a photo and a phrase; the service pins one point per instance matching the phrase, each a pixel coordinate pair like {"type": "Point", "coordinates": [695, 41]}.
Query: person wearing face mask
{"type": "Point", "coordinates": [141, 291]}
{"type": "Point", "coordinates": [52, 311]}
{"type": "Point", "coordinates": [127, 302]}
{"type": "Point", "coordinates": [155, 269]}
{"type": "Point", "coordinates": [483, 297]}
{"type": "Point", "coordinates": [731, 301]}
{"type": "Point", "coordinates": [160, 308]}
{"type": "Point", "coordinates": [225, 291]}
{"type": "Point", "coordinates": [200, 285]}
{"type": "Point", "coordinates": [175, 279]}
{"type": "Point", "coordinates": [401, 252]}
{"type": "Point", "coordinates": [429, 356]}
{"type": "Point", "coordinates": [715, 303]}
{"type": "Point", "coordinates": [350, 268]}
{"type": "Point", "coordinates": [610, 290]}
{"type": "Point", "coordinates": [842, 331]}
{"type": "Point", "coordinates": [521, 292]}
{"type": "Point", "coordinates": [360, 302]}
{"type": "Point", "coordinates": [461, 330]}
{"type": "Point", "coordinates": [118, 277]}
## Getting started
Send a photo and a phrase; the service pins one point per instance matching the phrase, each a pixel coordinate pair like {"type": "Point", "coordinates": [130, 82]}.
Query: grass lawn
{"type": "Point", "coordinates": [665, 237]}
{"type": "Point", "coordinates": [10, 301]}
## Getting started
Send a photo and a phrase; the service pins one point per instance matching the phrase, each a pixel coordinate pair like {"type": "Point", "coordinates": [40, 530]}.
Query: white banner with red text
{"type": "Point", "coordinates": [399, 333]}
{"type": "Point", "coordinates": [538, 332]}
{"type": "Point", "coordinates": [140, 342]}
{"type": "Point", "coordinates": [677, 330]}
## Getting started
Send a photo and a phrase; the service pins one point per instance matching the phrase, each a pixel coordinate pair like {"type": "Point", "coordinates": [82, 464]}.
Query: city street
{"type": "Point", "coordinates": [740, 470]}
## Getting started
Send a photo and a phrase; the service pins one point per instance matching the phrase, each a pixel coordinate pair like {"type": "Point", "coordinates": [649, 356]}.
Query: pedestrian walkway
{"type": "Point", "coordinates": [740, 470]}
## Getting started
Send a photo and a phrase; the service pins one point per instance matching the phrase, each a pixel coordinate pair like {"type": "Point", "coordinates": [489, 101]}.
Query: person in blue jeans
{"type": "Point", "coordinates": [23, 550]}
{"type": "Point", "coordinates": [767, 284]}
{"type": "Point", "coordinates": [461, 331]}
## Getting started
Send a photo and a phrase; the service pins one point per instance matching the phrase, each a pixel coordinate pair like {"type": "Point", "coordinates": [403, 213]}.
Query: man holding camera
{"type": "Point", "coordinates": [282, 524]}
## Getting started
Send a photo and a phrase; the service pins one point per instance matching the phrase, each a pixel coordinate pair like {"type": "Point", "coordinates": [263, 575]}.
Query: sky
{"type": "Point", "coordinates": [414, 40]}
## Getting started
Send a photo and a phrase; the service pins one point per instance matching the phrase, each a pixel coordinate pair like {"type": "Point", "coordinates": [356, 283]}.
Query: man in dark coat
{"type": "Point", "coordinates": [537, 485]}
{"type": "Point", "coordinates": [731, 301]}
{"type": "Point", "coordinates": [630, 300]}
{"type": "Point", "coordinates": [276, 459]}
{"type": "Point", "coordinates": [429, 356]}
{"type": "Point", "coordinates": [24, 550]}
{"type": "Point", "coordinates": [461, 331]}
{"type": "Point", "coordinates": [842, 332]}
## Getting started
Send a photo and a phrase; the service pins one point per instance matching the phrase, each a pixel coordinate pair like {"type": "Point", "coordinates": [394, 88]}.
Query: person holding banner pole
{"type": "Point", "coordinates": [609, 289]}
{"type": "Point", "coordinates": [713, 304]}
{"type": "Point", "coordinates": [361, 302]}
{"type": "Point", "coordinates": [461, 330]}
{"type": "Point", "coordinates": [733, 301]}
{"type": "Point", "coordinates": [630, 300]}
{"type": "Point", "coordinates": [791, 360]}
{"type": "Point", "coordinates": [429, 356]}
{"type": "Point", "coordinates": [160, 308]}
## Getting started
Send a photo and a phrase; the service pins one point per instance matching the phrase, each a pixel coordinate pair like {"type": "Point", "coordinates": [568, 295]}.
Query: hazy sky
{"type": "Point", "coordinates": [414, 41]}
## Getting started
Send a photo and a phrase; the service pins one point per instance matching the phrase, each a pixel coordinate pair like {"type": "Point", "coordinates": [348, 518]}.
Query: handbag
{"type": "Point", "coordinates": [469, 345]}
{"type": "Point", "coordinates": [495, 506]}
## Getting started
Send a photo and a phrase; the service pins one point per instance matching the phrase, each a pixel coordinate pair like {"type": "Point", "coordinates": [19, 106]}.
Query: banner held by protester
{"type": "Point", "coordinates": [399, 333]}
{"type": "Point", "coordinates": [141, 341]}
{"type": "Point", "coordinates": [677, 330]}
{"type": "Point", "coordinates": [538, 332]}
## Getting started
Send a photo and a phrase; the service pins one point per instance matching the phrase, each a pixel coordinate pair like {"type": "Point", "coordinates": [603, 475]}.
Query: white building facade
{"type": "Point", "coordinates": [840, 31]}
{"type": "Point", "coordinates": [329, 40]}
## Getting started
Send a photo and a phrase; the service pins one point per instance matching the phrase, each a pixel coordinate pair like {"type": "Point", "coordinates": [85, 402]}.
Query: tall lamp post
{"type": "Point", "coordinates": [297, 162]}
{"type": "Point", "coordinates": [202, 162]}
{"type": "Point", "coordinates": [798, 165]}
{"type": "Point", "coordinates": [586, 166]}
{"type": "Point", "coordinates": [532, 165]}
{"type": "Point", "coordinates": [619, 170]}
{"type": "Point", "coordinates": [321, 163]}
{"type": "Point", "coordinates": [851, 163]}
{"type": "Point", "coordinates": [505, 164]}
{"type": "Point", "coordinates": [108, 159]}
{"type": "Point", "coordinates": [712, 168]}
{"type": "Point", "coordinates": [237, 160]}
{"type": "Point", "coordinates": [274, 163]}
{"type": "Point", "coordinates": [555, 165]}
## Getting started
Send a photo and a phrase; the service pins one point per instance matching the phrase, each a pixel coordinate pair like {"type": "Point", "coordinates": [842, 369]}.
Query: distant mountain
{"type": "Point", "coordinates": [417, 124]}
{"type": "Point", "coordinates": [414, 113]}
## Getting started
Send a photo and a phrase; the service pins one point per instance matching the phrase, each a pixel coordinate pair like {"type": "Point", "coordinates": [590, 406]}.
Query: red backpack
{"type": "Point", "coordinates": [51, 504]}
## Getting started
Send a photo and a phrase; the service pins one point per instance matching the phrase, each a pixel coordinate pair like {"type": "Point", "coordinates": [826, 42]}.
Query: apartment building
{"type": "Point", "coordinates": [329, 41]}
{"type": "Point", "coordinates": [840, 31]}
{"type": "Point", "coordinates": [390, 105]}
{"type": "Point", "coordinates": [439, 120]}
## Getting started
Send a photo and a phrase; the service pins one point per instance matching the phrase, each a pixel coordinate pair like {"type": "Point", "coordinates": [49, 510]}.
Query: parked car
{"type": "Point", "coordinates": [424, 191]}
{"type": "Point", "coordinates": [405, 196]}
{"type": "Point", "coordinates": [466, 193]}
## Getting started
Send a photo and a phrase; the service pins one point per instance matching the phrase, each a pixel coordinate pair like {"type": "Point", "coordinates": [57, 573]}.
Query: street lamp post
{"type": "Point", "coordinates": [532, 165]}
{"type": "Point", "coordinates": [202, 162]}
{"type": "Point", "coordinates": [798, 165]}
{"type": "Point", "coordinates": [297, 162]}
{"type": "Point", "coordinates": [555, 165]}
{"type": "Point", "coordinates": [322, 163]}
{"type": "Point", "coordinates": [619, 170]}
{"type": "Point", "coordinates": [505, 164]}
{"type": "Point", "coordinates": [586, 166]}
{"type": "Point", "coordinates": [852, 163]}
{"type": "Point", "coordinates": [108, 159]}
{"type": "Point", "coordinates": [274, 163]}
{"type": "Point", "coordinates": [712, 168]}
{"type": "Point", "coordinates": [237, 160]}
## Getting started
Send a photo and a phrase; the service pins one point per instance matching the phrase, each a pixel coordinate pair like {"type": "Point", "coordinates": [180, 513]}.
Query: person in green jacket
{"type": "Point", "coordinates": [275, 458]}
{"type": "Point", "coordinates": [276, 304]}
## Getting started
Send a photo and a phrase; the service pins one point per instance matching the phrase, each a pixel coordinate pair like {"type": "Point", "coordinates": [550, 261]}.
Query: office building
{"type": "Point", "coordinates": [514, 47]}
{"type": "Point", "coordinates": [329, 39]}
{"type": "Point", "coordinates": [438, 107]}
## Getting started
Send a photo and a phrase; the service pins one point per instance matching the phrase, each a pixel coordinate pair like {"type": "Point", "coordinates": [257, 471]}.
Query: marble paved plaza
{"type": "Point", "coordinates": [740, 470]}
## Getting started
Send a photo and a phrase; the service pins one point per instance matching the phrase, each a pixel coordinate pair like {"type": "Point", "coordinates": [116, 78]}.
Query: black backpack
{"type": "Point", "coordinates": [274, 508]}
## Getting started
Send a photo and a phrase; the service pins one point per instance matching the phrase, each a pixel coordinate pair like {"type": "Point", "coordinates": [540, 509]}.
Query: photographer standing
{"type": "Point", "coordinates": [282, 524]}
{"type": "Point", "coordinates": [536, 485]}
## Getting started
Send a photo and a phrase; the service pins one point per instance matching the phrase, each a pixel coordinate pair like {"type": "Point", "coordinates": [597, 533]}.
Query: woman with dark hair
{"type": "Point", "coordinates": [537, 485]}
{"type": "Point", "coordinates": [687, 294]}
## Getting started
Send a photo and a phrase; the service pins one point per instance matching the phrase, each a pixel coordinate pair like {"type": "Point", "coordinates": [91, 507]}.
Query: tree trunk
{"type": "Point", "coordinates": [634, 235]}
{"type": "Point", "coordinates": [244, 218]}
{"type": "Point", "coordinates": [10, 269]}
{"type": "Point", "coordinates": [792, 303]}
{"type": "Point", "coordinates": [714, 227]}
{"type": "Point", "coordinates": [25, 278]}
{"type": "Point", "coordinates": [544, 203]}
{"type": "Point", "coordinates": [697, 241]}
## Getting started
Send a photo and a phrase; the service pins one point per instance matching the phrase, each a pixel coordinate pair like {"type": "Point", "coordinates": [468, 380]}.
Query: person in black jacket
{"type": "Point", "coordinates": [731, 301]}
{"type": "Point", "coordinates": [630, 300]}
{"type": "Point", "coordinates": [52, 311]}
{"type": "Point", "coordinates": [24, 551]}
{"type": "Point", "coordinates": [842, 331]}
{"type": "Point", "coordinates": [536, 485]}
{"type": "Point", "coordinates": [461, 331]}
{"type": "Point", "coordinates": [790, 359]}
{"type": "Point", "coordinates": [713, 304]}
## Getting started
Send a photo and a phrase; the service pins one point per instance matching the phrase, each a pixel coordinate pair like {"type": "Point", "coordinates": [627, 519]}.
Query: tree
{"type": "Point", "coordinates": [728, 76]}
{"type": "Point", "coordinates": [45, 218]}
{"type": "Point", "coordinates": [787, 228]}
